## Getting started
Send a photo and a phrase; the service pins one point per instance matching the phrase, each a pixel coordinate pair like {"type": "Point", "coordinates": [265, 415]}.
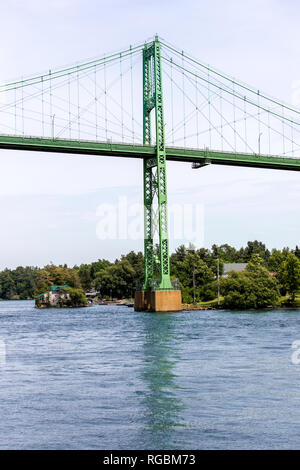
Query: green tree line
{"type": "Point", "coordinates": [196, 270]}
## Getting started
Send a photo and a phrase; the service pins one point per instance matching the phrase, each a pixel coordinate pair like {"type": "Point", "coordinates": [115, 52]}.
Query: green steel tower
{"type": "Point", "coordinates": [155, 174]}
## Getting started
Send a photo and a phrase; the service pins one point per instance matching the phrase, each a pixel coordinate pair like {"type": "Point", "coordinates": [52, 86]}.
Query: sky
{"type": "Point", "coordinates": [52, 205]}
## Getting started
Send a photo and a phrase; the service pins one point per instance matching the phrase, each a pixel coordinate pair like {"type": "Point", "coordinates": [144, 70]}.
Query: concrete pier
{"type": "Point", "coordinates": [158, 301]}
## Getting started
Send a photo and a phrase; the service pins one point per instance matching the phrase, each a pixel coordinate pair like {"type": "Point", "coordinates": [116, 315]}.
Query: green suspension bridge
{"type": "Point", "coordinates": [157, 103]}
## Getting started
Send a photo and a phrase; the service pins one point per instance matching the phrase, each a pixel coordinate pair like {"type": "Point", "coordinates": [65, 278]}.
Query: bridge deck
{"type": "Point", "coordinates": [146, 151]}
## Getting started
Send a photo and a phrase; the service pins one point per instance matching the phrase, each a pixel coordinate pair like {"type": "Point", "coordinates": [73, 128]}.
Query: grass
{"type": "Point", "coordinates": [208, 304]}
{"type": "Point", "coordinates": [285, 301]}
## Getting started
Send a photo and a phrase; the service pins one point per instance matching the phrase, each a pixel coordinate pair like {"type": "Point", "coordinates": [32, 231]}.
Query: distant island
{"type": "Point", "coordinates": [61, 297]}
{"type": "Point", "coordinates": [251, 277]}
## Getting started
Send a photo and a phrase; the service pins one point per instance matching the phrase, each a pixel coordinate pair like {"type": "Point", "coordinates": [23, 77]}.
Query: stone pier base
{"type": "Point", "coordinates": [158, 301]}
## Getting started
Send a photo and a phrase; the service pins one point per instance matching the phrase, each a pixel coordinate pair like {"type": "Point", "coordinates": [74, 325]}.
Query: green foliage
{"type": "Point", "coordinates": [98, 266]}
{"type": "Point", "coordinates": [276, 259]}
{"type": "Point", "coordinates": [289, 275]}
{"type": "Point", "coordinates": [84, 274]}
{"type": "Point", "coordinates": [119, 278]}
{"type": "Point", "coordinates": [187, 295]}
{"type": "Point", "coordinates": [56, 275]}
{"type": "Point", "coordinates": [252, 288]}
{"type": "Point", "coordinates": [7, 284]}
{"type": "Point", "coordinates": [209, 293]}
{"type": "Point", "coordinates": [225, 252]}
{"type": "Point", "coordinates": [77, 296]}
{"type": "Point", "coordinates": [230, 254]}
{"type": "Point", "coordinates": [297, 251]}
{"type": "Point", "coordinates": [136, 260]}
{"type": "Point", "coordinates": [256, 248]}
{"type": "Point", "coordinates": [192, 266]}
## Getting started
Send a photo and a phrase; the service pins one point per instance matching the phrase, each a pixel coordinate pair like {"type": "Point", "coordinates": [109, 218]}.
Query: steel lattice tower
{"type": "Point", "coordinates": [155, 174]}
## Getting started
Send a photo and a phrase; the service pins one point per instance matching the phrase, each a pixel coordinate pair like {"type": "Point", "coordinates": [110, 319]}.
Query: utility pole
{"type": "Point", "coordinates": [259, 142]}
{"type": "Point", "coordinates": [194, 283]}
{"type": "Point", "coordinates": [53, 117]}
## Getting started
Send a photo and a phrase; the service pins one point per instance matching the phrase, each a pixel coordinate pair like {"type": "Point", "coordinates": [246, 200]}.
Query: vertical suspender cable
{"type": "Point", "coordinates": [96, 107]}
{"type": "Point", "coordinates": [172, 104]}
{"type": "Point", "coordinates": [269, 132]}
{"type": "Point", "coordinates": [78, 104]}
{"type": "Point", "coordinates": [197, 113]}
{"type": "Point", "coordinates": [105, 100]}
{"type": "Point", "coordinates": [245, 123]}
{"type": "Point", "coordinates": [15, 110]}
{"type": "Point", "coordinates": [69, 100]}
{"type": "Point", "coordinates": [183, 100]}
{"type": "Point", "coordinates": [132, 107]}
{"type": "Point", "coordinates": [121, 93]}
{"type": "Point", "coordinates": [234, 120]}
{"type": "Point", "coordinates": [209, 110]}
{"type": "Point", "coordinates": [259, 133]}
{"type": "Point", "coordinates": [283, 136]}
{"type": "Point", "coordinates": [22, 97]}
{"type": "Point", "coordinates": [221, 114]}
{"type": "Point", "coordinates": [43, 118]}
{"type": "Point", "coordinates": [50, 93]}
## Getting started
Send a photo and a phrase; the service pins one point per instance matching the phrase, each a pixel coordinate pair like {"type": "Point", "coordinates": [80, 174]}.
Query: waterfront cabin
{"type": "Point", "coordinates": [55, 297]}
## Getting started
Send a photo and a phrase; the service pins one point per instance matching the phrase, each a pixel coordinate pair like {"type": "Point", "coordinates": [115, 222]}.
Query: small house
{"type": "Point", "coordinates": [55, 297]}
{"type": "Point", "coordinates": [237, 267]}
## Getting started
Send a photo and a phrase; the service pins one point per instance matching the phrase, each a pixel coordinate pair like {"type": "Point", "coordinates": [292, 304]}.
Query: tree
{"type": "Point", "coordinates": [297, 251]}
{"type": "Point", "coordinates": [276, 259]}
{"type": "Point", "coordinates": [289, 275]}
{"type": "Point", "coordinates": [25, 282]}
{"type": "Point", "coordinates": [252, 288]}
{"type": "Point", "coordinates": [225, 252]}
{"type": "Point", "coordinates": [71, 278]}
{"type": "Point", "coordinates": [255, 264]}
{"type": "Point", "coordinates": [77, 296]}
{"type": "Point", "coordinates": [255, 247]}
{"type": "Point", "coordinates": [43, 282]}
{"type": "Point", "coordinates": [120, 277]}
{"type": "Point", "coordinates": [136, 260]}
{"type": "Point", "coordinates": [55, 274]}
{"type": "Point", "coordinates": [84, 274]}
{"type": "Point", "coordinates": [98, 266]}
{"type": "Point", "coordinates": [179, 254]}
{"type": "Point", "coordinates": [7, 284]}
{"type": "Point", "coordinates": [193, 266]}
{"type": "Point", "coordinates": [52, 275]}
{"type": "Point", "coordinates": [117, 279]}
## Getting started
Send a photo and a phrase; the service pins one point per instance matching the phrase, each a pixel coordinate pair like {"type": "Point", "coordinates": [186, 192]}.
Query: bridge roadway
{"type": "Point", "coordinates": [176, 154]}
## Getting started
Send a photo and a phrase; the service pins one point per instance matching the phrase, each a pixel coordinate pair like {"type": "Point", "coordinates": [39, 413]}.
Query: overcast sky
{"type": "Point", "coordinates": [49, 202]}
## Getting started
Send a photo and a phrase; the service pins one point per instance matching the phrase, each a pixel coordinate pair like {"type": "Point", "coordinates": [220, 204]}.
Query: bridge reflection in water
{"type": "Point", "coordinates": [160, 401]}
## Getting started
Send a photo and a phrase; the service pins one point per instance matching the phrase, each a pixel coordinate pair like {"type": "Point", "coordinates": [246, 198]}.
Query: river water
{"type": "Point", "coordinates": [106, 377]}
